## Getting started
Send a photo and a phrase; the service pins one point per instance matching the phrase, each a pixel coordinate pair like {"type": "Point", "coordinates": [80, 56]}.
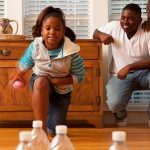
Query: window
{"type": "Point", "coordinates": [77, 14]}
{"type": "Point", "coordinates": [1, 8]}
{"type": "Point", "coordinates": [115, 7]}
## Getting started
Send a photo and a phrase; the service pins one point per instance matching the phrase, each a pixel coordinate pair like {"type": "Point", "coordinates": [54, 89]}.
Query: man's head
{"type": "Point", "coordinates": [130, 19]}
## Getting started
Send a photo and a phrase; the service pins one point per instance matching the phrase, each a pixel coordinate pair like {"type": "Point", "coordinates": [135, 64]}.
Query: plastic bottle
{"type": "Point", "coordinates": [25, 141]}
{"type": "Point", "coordinates": [119, 141]}
{"type": "Point", "coordinates": [61, 141]}
{"type": "Point", "coordinates": [39, 137]}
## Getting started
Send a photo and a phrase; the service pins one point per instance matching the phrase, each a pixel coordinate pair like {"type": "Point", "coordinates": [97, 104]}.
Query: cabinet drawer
{"type": "Point", "coordinates": [89, 49]}
{"type": "Point", "coordinates": [13, 49]}
{"type": "Point", "coordinates": [89, 52]}
{"type": "Point", "coordinates": [11, 52]}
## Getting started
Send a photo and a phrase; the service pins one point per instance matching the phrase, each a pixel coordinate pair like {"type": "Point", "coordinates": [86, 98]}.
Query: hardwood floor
{"type": "Point", "coordinates": [138, 137]}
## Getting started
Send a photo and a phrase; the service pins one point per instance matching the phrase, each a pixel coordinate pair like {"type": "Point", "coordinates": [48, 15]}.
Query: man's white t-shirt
{"type": "Point", "coordinates": [125, 51]}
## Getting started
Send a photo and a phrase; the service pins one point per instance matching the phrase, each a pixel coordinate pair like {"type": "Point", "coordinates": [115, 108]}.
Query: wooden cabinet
{"type": "Point", "coordinates": [87, 97]}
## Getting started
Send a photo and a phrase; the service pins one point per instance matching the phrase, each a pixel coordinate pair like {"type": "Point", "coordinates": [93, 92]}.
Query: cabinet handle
{"type": "Point", "coordinates": [5, 52]}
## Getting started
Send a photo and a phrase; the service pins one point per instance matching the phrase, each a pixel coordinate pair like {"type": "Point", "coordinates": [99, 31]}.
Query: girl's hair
{"type": "Point", "coordinates": [56, 12]}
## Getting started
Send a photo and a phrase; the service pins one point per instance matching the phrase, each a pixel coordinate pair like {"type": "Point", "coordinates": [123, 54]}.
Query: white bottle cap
{"type": "Point", "coordinates": [61, 129]}
{"type": "Point", "coordinates": [119, 136]}
{"type": "Point", "coordinates": [25, 136]}
{"type": "Point", "coordinates": [37, 124]}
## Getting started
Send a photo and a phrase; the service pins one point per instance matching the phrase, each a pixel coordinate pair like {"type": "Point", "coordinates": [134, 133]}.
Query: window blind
{"type": "Point", "coordinates": [116, 6]}
{"type": "Point", "coordinates": [77, 13]}
{"type": "Point", "coordinates": [1, 8]}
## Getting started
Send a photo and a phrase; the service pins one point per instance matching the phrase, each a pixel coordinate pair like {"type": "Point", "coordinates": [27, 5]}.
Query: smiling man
{"type": "Point", "coordinates": [130, 47]}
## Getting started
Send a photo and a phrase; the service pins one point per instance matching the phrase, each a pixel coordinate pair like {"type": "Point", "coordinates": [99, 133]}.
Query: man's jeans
{"type": "Point", "coordinates": [119, 91]}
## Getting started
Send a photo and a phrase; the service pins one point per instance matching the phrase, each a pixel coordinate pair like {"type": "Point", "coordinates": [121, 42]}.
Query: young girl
{"type": "Point", "coordinates": [56, 66]}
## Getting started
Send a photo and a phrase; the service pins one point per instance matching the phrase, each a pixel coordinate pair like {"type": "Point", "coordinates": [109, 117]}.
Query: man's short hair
{"type": "Point", "coordinates": [133, 7]}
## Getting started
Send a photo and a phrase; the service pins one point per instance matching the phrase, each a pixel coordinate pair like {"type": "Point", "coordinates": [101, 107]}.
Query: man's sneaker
{"type": "Point", "coordinates": [121, 123]}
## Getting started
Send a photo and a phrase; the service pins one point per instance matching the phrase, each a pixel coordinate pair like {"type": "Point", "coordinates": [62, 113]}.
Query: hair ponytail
{"type": "Point", "coordinates": [70, 34]}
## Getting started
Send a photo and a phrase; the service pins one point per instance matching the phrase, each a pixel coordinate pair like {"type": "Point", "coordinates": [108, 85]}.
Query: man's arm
{"type": "Point", "coordinates": [103, 37]}
{"type": "Point", "coordinates": [140, 65]}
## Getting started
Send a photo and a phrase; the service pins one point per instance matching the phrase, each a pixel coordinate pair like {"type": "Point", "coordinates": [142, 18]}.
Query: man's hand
{"type": "Point", "coordinates": [122, 74]}
{"type": "Point", "coordinates": [106, 38]}
{"type": "Point", "coordinates": [103, 37]}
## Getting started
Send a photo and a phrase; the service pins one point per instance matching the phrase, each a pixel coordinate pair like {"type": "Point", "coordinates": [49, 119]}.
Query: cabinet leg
{"type": "Point", "coordinates": [97, 121]}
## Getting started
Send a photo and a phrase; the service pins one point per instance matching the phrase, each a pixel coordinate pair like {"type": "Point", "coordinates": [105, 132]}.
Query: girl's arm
{"type": "Point", "coordinates": [77, 68]}
{"type": "Point", "coordinates": [62, 80]}
{"type": "Point", "coordinates": [25, 64]}
{"type": "Point", "coordinates": [77, 73]}
{"type": "Point", "coordinates": [19, 76]}
{"type": "Point", "coordinates": [26, 61]}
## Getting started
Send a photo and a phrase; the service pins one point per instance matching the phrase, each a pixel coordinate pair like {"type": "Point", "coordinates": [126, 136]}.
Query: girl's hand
{"type": "Point", "coordinates": [122, 74]}
{"type": "Point", "coordinates": [62, 80]}
{"type": "Point", "coordinates": [18, 77]}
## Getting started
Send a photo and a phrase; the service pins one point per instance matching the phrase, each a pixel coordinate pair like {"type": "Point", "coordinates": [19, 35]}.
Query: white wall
{"type": "Point", "coordinates": [100, 13]}
{"type": "Point", "coordinates": [100, 17]}
{"type": "Point", "coordinates": [13, 10]}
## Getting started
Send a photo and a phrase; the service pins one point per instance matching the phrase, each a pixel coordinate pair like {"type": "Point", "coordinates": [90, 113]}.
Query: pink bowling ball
{"type": "Point", "coordinates": [18, 84]}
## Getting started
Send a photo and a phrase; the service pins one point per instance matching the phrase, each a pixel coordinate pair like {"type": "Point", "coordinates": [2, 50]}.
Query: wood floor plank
{"type": "Point", "coordinates": [138, 138]}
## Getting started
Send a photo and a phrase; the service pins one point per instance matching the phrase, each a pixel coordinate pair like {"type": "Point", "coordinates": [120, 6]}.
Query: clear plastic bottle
{"type": "Point", "coordinates": [61, 141]}
{"type": "Point", "coordinates": [119, 141]}
{"type": "Point", "coordinates": [39, 137]}
{"type": "Point", "coordinates": [25, 141]}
